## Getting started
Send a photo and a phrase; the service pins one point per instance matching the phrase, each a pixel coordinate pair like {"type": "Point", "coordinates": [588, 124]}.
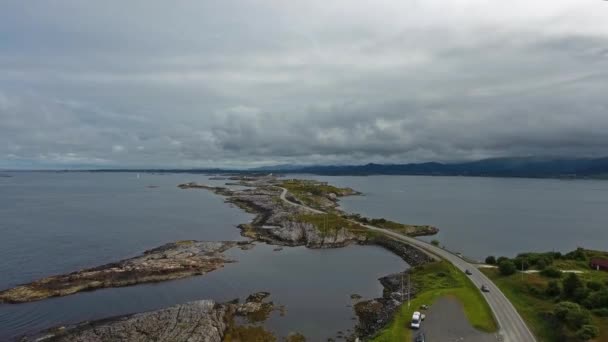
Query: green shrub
{"type": "Point", "coordinates": [491, 260]}
{"type": "Point", "coordinates": [435, 242]}
{"type": "Point", "coordinates": [551, 272]}
{"type": "Point", "coordinates": [506, 267]}
{"type": "Point", "coordinates": [521, 263]}
{"type": "Point", "coordinates": [587, 332]}
{"type": "Point", "coordinates": [594, 285]}
{"type": "Point", "coordinates": [570, 284]}
{"type": "Point", "coordinates": [597, 299]}
{"type": "Point", "coordinates": [572, 314]}
{"type": "Point", "coordinates": [553, 289]}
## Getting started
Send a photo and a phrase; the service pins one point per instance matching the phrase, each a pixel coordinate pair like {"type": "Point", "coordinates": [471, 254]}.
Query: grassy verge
{"type": "Point", "coordinates": [526, 294]}
{"type": "Point", "coordinates": [437, 280]}
{"type": "Point", "coordinates": [529, 307]}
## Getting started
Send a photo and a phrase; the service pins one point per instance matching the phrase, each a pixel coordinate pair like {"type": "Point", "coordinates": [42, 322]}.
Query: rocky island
{"type": "Point", "coordinates": [171, 261]}
{"type": "Point", "coordinates": [198, 321]}
{"type": "Point", "coordinates": [304, 213]}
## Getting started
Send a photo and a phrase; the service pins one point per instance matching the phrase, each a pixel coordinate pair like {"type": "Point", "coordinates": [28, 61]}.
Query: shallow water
{"type": "Point", "coordinates": [59, 222]}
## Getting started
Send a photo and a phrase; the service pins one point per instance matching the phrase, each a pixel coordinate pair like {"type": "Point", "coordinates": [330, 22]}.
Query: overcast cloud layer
{"type": "Point", "coordinates": [248, 83]}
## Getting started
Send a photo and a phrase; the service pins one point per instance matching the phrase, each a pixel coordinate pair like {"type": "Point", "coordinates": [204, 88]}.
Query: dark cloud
{"type": "Point", "coordinates": [245, 83]}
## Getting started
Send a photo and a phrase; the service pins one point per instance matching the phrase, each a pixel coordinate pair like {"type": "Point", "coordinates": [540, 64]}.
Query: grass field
{"type": "Point", "coordinates": [327, 224]}
{"type": "Point", "coordinates": [533, 308]}
{"type": "Point", "coordinates": [436, 280]}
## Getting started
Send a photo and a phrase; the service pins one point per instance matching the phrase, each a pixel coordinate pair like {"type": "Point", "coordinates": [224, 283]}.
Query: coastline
{"type": "Point", "coordinates": [275, 223]}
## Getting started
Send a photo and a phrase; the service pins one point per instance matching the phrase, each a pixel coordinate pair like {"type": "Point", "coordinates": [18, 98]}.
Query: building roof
{"type": "Point", "coordinates": [599, 262]}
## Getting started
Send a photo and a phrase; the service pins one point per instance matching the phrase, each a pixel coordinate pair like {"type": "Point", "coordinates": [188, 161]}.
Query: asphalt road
{"type": "Point", "coordinates": [512, 326]}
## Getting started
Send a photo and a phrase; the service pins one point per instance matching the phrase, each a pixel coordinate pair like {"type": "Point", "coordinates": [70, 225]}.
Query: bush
{"type": "Point", "coordinates": [501, 259]}
{"type": "Point", "coordinates": [541, 264]}
{"type": "Point", "coordinates": [587, 332]}
{"type": "Point", "coordinates": [553, 289]}
{"type": "Point", "coordinates": [578, 254]}
{"type": "Point", "coordinates": [506, 267]}
{"type": "Point", "coordinates": [435, 243]}
{"type": "Point", "coordinates": [572, 314]}
{"type": "Point", "coordinates": [580, 294]}
{"type": "Point", "coordinates": [570, 284]}
{"type": "Point", "coordinates": [521, 263]}
{"type": "Point", "coordinates": [551, 272]}
{"type": "Point", "coordinates": [597, 299]}
{"type": "Point", "coordinates": [594, 285]}
{"type": "Point", "coordinates": [491, 260]}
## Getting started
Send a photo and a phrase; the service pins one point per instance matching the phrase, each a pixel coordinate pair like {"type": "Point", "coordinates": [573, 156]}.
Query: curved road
{"type": "Point", "coordinates": [512, 326]}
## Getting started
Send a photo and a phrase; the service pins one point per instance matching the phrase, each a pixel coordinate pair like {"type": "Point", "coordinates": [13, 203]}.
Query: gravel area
{"type": "Point", "coordinates": [446, 322]}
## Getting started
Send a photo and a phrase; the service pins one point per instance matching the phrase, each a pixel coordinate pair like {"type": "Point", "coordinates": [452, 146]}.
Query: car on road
{"type": "Point", "coordinates": [467, 272]}
{"type": "Point", "coordinates": [416, 320]}
{"type": "Point", "coordinates": [420, 338]}
{"type": "Point", "coordinates": [485, 288]}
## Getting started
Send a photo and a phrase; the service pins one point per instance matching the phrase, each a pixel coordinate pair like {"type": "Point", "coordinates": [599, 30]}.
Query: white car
{"type": "Point", "coordinates": [416, 320]}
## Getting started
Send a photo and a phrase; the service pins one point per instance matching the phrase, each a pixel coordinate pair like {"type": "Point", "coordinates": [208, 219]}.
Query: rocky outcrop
{"type": "Point", "coordinates": [198, 321]}
{"type": "Point", "coordinates": [410, 254]}
{"type": "Point", "coordinates": [294, 233]}
{"type": "Point", "coordinates": [376, 313]}
{"type": "Point", "coordinates": [171, 261]}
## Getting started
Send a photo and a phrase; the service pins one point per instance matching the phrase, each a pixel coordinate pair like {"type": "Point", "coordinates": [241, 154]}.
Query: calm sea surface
{"type": "Point", "coordinates": [53, 223]}
{"type": "Point", "coordinates": [489, 216]}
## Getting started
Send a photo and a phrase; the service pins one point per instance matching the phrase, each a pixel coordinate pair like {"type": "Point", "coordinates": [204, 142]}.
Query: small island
{"type": "Point", "coordinates": [171, 261]}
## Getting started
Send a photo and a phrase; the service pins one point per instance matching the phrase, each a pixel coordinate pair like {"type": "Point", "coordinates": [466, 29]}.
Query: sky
{"type": "Point", "coordinates": [197, 83]}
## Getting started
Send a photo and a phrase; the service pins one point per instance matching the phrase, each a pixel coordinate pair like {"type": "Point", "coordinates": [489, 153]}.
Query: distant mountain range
{"type": "Point", "coordinates": [497, 167]}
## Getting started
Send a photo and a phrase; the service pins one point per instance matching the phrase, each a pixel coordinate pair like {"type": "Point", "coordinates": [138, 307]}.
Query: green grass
{"type": "Point", "coordinates": [529, 307]}
{"type": "Point", "coordinates": [436, 280]}
{"type": "Point", "coordinates": [328, 224]}
{"type": "Point", "coordinates": [313, 193]}
{"type": "Point", "coordinates": [533, 307]}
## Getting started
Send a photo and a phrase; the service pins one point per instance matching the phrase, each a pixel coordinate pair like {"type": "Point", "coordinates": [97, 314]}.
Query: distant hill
{"type": "Point", "coordinates": [497, 167]}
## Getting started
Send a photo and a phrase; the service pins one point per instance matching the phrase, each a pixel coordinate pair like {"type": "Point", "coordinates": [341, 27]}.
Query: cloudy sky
{"type": "Point", "coordinates": [144, 83]}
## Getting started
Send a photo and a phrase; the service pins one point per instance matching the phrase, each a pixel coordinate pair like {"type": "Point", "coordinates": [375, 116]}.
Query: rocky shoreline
{"type": "Point", "coordinates": [197, 321]}
{"type": "Point", "coordinates": [276, 222]}
{"type": "Point", "coordinates": [171, 261]}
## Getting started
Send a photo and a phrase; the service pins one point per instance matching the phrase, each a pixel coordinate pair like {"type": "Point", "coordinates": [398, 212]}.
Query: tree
{"type": "Point", "coordinates": [491, 260]}
{"type": "Point", "coordinates": [563, 308]}
{"type": "Point", "coordinates": [506, 267]}
{"type": "Point", "coordinates": [553, 288]}
{"type": "Point", "coordinates": [551, 272]}
{"type": "Point", "coordinates": [597, 299]}
{"type": "Point", "coordinates": [541, 264]}
{"type": "Point", "coordinates": [572, 314]}
{"type": "Point", "coordinates": [594, 285]}
{"type": "Point", "coordinates": [500, 259]}
{"type": "Point", "coordinates": [435, 242]}
{"type": "Point", "coordinates": [521, 263]}
{"type": "Point", "coordinates": [587, 332]}
{"type": "Point", "coordinates": [570, 284]}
